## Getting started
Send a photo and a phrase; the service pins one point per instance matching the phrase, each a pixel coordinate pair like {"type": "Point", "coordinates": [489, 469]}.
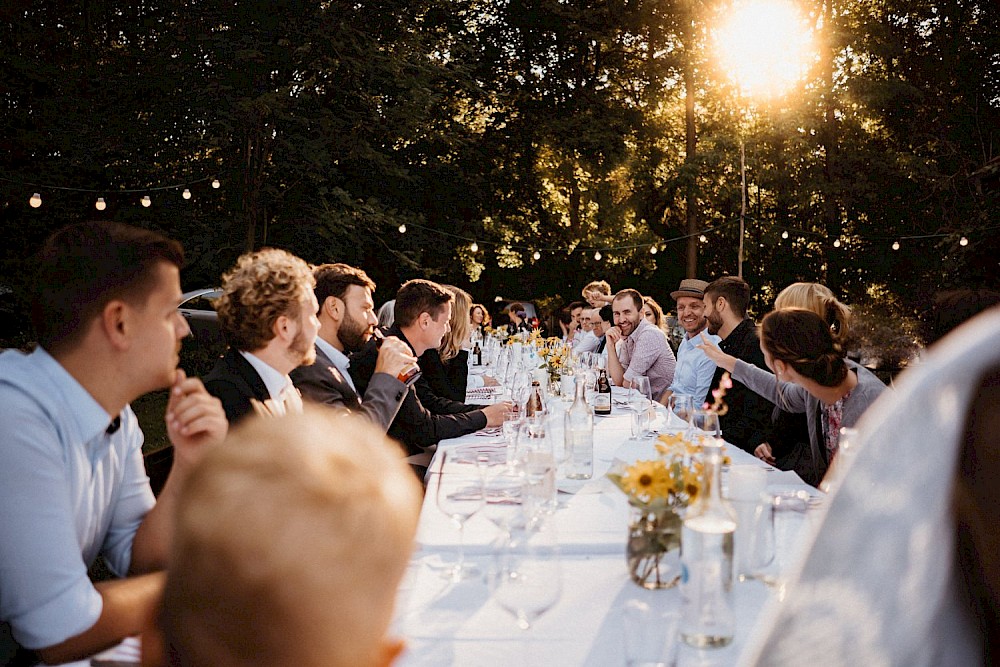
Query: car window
{"type": "Point", "coordinates": [199, 303]}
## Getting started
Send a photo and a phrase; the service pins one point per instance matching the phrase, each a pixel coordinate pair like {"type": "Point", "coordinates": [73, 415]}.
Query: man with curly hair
{"type": "Point", "coordinates": [268, 313]}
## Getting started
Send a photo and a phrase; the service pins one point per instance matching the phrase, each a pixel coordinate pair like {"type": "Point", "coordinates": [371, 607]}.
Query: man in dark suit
{"type": "Point", "coordinates": [268, 313]}
{"type": "Point", "coordinates": [346, 322]}
{"type": "Point", "coordinates": [423, 310]}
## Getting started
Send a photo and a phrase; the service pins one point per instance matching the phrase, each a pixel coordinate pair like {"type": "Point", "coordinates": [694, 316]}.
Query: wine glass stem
{"type": "Point", "coordinates": [459, 567]}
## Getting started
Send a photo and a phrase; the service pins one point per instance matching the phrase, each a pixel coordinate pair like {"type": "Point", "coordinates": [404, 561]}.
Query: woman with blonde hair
{"type": "Point", "coordinates": [446, 369]}
{"type": "Point", "coordinates": [820, 300]}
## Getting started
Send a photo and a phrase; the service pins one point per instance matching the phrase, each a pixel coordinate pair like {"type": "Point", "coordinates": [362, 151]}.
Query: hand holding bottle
{"type": "Point", "coordinates": [394, 357]}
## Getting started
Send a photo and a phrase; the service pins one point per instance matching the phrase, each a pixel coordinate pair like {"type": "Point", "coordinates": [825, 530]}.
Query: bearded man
{"type": "Point", "coordinates": [644, 352]}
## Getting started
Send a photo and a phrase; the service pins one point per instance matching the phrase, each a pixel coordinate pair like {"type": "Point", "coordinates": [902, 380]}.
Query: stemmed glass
{"type": "Point", "coordinates": [459, 496]}
{"type": "Point", "coordinates": [529, 577]}
{"type": "Point", "coordinates": [643, 404]}
{"type": "Point", "coordinates": [707, 421]}
{"type": "Point", "coordinates": [682, 405]}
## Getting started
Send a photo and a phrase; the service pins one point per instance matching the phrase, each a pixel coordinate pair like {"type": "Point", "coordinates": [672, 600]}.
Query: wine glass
{"type": "Point", "coordinates": [502, 493]}
{"type": "Point", "coordinates": [529, 577]}
{"type": "Point", "coordinates": [682, 405]}
{"type": "Point", "coordinates": [511, 423]}
{"type": "Point", "coordinates": [644, 403]}
{"type": "Point", "coordinates": [459, 496]}
{"type": "Point", "coordinates": [707, 421]}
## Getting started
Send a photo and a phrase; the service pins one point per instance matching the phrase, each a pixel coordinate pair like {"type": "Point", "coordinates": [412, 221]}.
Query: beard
{"type": "Point", "coordinates": [302, 351]}
{"type": "Point", "coordinates": [353, 334]}
{"type": "Point", "coordinates": [714, 323]}
{"type": "Point", "coordinates": [629, 325]}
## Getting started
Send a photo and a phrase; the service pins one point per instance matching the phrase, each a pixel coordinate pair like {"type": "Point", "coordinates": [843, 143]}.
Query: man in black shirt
{"type": "Point", "coordinates": [747, 421]}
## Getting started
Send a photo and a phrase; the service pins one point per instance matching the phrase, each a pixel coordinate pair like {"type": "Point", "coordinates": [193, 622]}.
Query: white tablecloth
{"type": "Point", "coordinates": [447, 623]}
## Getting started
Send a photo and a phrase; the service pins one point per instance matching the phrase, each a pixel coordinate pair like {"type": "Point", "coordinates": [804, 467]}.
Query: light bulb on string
{"type": "Point", "coordinates": [597, 255]}
{"type": "Point", "coordinates": [836, 243]}
{"type": "Point", "coordinates": [652, 250]}
{"type": "Point", "coordinates": [474, 247]}
{"type": "Point", "coordinates": [186, 194]}
{"type": "Point", "coordinates": [702, 238]}
{"type": "Point", "coordinates": [146, 201]}
{"type": "Point", "coordinates": [537, 255]}
{"type": "Point", "coordinates": [216, 184]}
{"type": "Point", "coordinates": [402, 229]}
{"type": "Point", "coordinates": [36, 200]}
{"type": "Point", "coordinates": [964, 242]}
{"type": "Point", "coordinates": [895, 245]}
{"type": "Point", "coordinates": [100, 205]}
{"type": "Point", "coordinates": [784, 234]}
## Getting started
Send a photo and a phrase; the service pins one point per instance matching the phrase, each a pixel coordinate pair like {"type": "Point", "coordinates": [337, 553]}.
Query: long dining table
{"type": "Point", "coordinates": [447, 622]}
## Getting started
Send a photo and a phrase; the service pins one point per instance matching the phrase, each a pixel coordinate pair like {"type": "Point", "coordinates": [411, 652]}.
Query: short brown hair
{"type": "Point", "coordinates": [634, 295]}
{"type": "Point", "coordinates": [419, 296]}
{"type": "Point", "coordinates": [324, 484]}
{"type": "Point", "coordinates": [263, 286]}
{"type": "Point", "coordinates": [334, 279]}
{"type": "Point", "coordinates": [84, 266]}
{"type": "Point", "coordinates": [803, 340]}
{"type": "Point", "coordinates": [734, 290]}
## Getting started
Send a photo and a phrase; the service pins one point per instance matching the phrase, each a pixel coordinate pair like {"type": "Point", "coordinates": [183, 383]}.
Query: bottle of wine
{"type": "Point", "coordinates": [579, 434]}
{"type": "Point", "coordinates": [534, 411]}
{"type": "Point", "coordinates": [477, 355]}
{"type": "Point", "coordinates": [602, 399]}
{"type": "Point", "coordinates": [707, 616]}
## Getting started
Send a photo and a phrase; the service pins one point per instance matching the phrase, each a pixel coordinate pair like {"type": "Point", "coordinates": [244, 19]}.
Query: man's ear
{"type": "Point", "coordinates": [282, 327]}
{"type": "Point", "coordinates": [334, 308]}
{"type": "Point", "coordinates": [115, 322]}
{"type": "Point", "coordinates": [424, 319]}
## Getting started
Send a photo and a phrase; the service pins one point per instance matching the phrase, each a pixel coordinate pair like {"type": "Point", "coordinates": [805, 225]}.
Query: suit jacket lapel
{"type": "Point", "coordinates": [242, 369]}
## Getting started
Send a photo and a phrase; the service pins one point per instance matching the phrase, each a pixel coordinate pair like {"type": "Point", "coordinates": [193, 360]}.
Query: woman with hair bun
{"type": "Point", "coordinates": [811, 375]}
{"type": "Point", "coordinates": [787, 445]}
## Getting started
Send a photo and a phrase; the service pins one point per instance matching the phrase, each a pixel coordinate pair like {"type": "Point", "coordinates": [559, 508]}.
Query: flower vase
{"type": "Point", "coordinates": [653, 548]}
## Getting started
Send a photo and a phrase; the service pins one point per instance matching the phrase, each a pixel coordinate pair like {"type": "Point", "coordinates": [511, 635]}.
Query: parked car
{"type": "Point", "coordinates": [206, 342]}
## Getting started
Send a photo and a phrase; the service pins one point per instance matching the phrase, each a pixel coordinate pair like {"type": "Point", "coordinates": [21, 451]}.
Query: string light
{"type": "Point", "coordinates": [99, 204]}
{"type": "Point", "coordinates": [402, 229]}
{"type": "Point", "coordinates": [474, 247]}
{"type": "Point", "coordinates": [216, 184]}
{"type": "Point", "coordinates": [895, 245]}
{"type": "Point", "coordinates": [836, 243]}
{"type": "Point", "coordinates": [597, 255]}
{"type": "Point", "coordinates": [146, 201]}
{"type": "Point", "coordinates": [36, 200]}
{"type": "Point", "coordinates": [652, 250]}
{"type": "Point", "coordinates": [702, 238]}
{"type": "Point", "coordinates": [186, 194]}
{"type": "Point", "coordinates": [537, 255]}
{"type": "Point", "coordinates": [784, 234]}
{"type": "Point", "coordinates": [964, 242]}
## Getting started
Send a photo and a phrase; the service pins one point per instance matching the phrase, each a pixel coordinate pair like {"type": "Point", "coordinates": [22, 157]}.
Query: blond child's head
{"type": "Point", "coordinates": [291, 539]}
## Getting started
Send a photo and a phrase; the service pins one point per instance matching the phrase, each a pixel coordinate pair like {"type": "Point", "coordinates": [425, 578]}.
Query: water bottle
{"type": "Point", "coordinates": [580, 435]}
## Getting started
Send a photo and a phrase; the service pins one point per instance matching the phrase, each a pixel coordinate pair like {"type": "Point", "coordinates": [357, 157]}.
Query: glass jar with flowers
{"type": "Point", "coordinates": [658, 491]}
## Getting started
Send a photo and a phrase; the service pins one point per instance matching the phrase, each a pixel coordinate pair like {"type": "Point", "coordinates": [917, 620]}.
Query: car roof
{"type": "Point", "coordinates": [204, 291]}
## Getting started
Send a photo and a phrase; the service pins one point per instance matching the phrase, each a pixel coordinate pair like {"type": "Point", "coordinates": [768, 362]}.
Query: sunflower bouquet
{"type": "Point", "coordinates": [658, 491]}
{"type": "Point", "coordinates": [555, 356]}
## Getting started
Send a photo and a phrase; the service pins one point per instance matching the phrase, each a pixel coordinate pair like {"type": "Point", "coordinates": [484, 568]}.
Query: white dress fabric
{"type": "Point", "coordinates": [877, 584]}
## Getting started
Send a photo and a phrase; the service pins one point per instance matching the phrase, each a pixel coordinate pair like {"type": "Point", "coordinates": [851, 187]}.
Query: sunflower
{"type": "Point", "coordinates": [647, 480]}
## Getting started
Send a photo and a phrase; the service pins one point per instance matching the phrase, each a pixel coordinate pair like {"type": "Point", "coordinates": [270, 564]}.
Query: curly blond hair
{"type": "Point", "coordinates": [263, 286]}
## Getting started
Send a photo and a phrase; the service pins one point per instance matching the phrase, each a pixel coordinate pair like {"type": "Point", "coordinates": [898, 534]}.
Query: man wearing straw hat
{"type": "Point", "coordinates": [694, 371]}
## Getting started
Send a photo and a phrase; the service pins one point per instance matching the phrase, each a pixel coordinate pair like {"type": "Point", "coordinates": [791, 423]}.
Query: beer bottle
{"type": "Point", "coordinates": [602, 399]}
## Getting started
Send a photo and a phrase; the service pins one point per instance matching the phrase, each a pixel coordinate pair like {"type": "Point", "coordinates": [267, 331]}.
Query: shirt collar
{"type": "Point", "coordinates": [339, 359]}
{"type": "Point", "coordinates": [642, 326]}
{"type": "Point", "coordinates": [273, 380]}
{"type": "Point", "coordinates": [85, 412]}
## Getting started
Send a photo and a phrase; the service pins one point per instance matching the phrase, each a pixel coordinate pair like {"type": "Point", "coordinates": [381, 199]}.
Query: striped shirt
{"type": "Point", "coordinates": [646, 352]}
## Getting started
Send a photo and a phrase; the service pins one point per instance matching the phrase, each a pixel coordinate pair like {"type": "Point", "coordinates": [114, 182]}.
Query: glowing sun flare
{"type": "Point", "coordinates": [764, 45]}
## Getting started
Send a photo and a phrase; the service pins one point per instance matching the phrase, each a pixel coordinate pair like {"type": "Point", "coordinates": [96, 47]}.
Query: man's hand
{"type": "Point", "coordinates": [490, 382]}
{"type": "Point", "coordinates": [194, 419]}
{"type": "Point", "coordinates": [763, 452]}
{"type": "Point", "coordinates": [715, 353]}
{"type": "Point", "coordinates": [613, 335]}
{"type": "Point", "coordinates": [394, 357]}
{"type": "Point", "coordinates": [494, 413]}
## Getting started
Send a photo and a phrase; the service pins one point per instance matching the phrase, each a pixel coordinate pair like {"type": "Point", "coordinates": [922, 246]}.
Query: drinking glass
{"type": "Point", "coordinates": [640, 387]}
{"type": "Point", "coordinates": [529, 577]}
{"type": "Point", "coordinates": [650, 633]}
{"type": "Point", "coordinates": [707, 422]}
{"type": "Point", "coordinates": [511, 423]}
{"type": "Point", "coordinates": [537, 465]}
{"type": "Point", "coordinates": [460, 496]}
{"type": "Point", "coordinates": [682, 405]}
{"type": "Point", "coordinates": [779, 526]}
{"type": "Point", "coordinates": [502, 494]}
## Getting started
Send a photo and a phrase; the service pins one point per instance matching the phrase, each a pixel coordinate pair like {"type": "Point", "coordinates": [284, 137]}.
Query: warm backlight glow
{"type": "Point", "coordinates": [764, 45]}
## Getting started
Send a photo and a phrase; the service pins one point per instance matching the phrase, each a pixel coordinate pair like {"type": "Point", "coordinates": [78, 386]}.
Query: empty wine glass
{"type": "Point", "coordinates": [529, 577]}
{"type": "Point", "coordinates": [706, 421]}
{"type": "Point", "coordinates": [459, 496]}
{"type": "Point", "coordinates": [682, 405]}
{"type": "Point", "coordinates": [644, 404]}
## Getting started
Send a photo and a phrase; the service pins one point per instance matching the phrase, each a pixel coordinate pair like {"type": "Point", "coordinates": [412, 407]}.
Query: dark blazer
{"type": "Point", "coordinates": [442, 386]}
{"type": "Point", "coordinates": [321, 382]}
{"type": "Point", "coordinates": [415, 426]}
{"type": "Point", "coordinates": [234, 382]}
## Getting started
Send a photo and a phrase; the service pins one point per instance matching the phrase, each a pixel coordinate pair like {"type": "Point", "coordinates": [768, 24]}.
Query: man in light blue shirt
{"type": "Point", "coordinates": [694, 371]}
{"type": "Point", "coordinates": [72, 482]}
